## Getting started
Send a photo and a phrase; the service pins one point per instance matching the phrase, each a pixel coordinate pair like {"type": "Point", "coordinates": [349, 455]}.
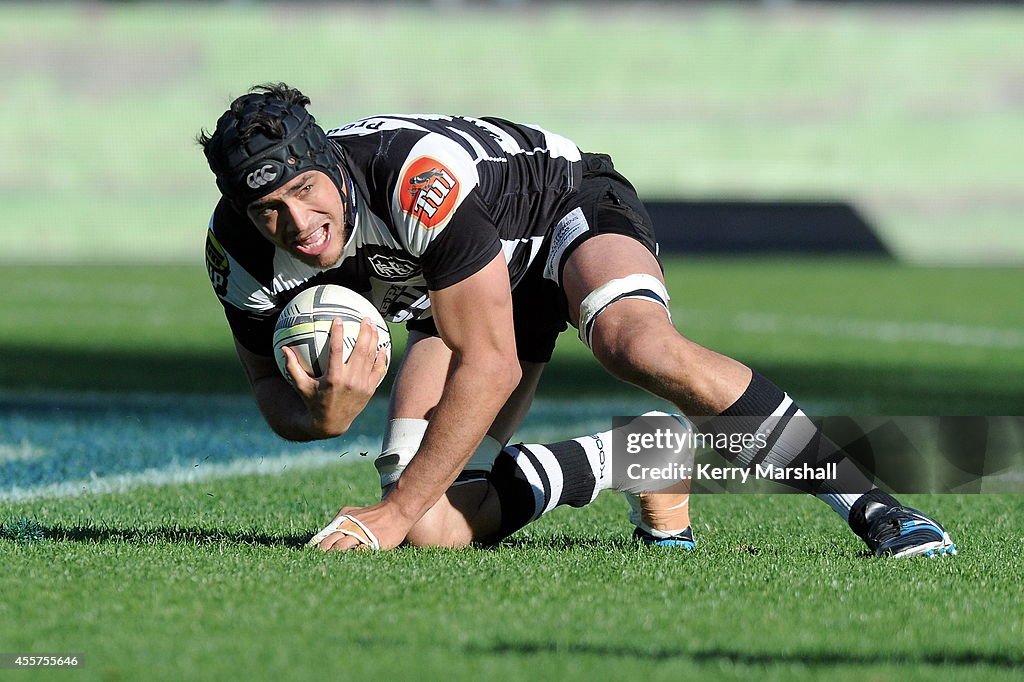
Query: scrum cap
{"type": "Point", "coordinates": [264, 141]}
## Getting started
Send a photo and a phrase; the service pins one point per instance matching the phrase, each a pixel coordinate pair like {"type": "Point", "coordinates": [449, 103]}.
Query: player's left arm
{"type": "Point", "coordinates": [474, 318]}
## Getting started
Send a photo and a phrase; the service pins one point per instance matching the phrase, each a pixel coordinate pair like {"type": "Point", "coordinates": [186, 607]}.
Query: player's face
{"type": "Point", "coordinates": [305, 217]}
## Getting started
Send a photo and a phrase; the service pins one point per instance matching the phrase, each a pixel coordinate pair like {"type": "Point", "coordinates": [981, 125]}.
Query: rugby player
{"type": "Point", "coordinates": [486, 238]}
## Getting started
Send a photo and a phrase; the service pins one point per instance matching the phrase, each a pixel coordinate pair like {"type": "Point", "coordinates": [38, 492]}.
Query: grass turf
{"type": "Point", "coordinates": [207, 581]}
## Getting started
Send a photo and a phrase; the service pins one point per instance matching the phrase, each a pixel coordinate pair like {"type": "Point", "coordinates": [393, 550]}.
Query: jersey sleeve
{"type": "Point", "coordinates": [247, 306]}
{"type": "Point", "coordinates": [469, 243]}
{"type": "Point", "coordinates": [439, 214]}
{"type": "Point", "coordinates": [255, 334]}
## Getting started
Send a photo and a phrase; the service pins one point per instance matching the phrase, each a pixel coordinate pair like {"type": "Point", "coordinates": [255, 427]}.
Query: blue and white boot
{"type": "Point", "coordinates": [903, 532]}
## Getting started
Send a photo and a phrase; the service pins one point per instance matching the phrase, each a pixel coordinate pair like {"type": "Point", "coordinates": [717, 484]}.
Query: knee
{"type": "Point", "coordinates": [465, 514]}
{"type": "Point", "coordinates": [642, 351]}
{"type": "Point", "coordinates": [434, 530]}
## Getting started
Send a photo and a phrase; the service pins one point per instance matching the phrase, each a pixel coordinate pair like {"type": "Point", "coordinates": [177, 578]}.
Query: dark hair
{"type": "Point", "coordinates": [264, 139]}
{"type": "Point", "coordinates": [260, 122]}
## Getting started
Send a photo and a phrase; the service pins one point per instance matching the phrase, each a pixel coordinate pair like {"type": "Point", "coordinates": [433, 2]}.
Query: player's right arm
{"type": "Point", "coordinates": [316, 408]}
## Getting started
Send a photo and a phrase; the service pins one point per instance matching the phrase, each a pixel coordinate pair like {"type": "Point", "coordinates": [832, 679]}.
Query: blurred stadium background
{"type": "Point", "coordinates": [753, 126]}
{"type": "Point", "coordinates": [913, 114]}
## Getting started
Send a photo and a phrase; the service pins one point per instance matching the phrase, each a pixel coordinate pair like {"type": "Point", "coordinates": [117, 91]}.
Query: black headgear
{"type": "Point", "coordinates": [250, 163]}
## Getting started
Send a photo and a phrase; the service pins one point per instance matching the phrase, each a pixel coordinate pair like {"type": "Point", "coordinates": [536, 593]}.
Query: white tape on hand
{"type": "Point", "coordinates": [346, 525]}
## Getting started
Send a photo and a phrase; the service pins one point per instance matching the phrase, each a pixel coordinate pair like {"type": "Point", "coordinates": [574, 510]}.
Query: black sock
{"type": "Point", "coordinates": [791, 441]}
{"type": "Point", "coordinates": [531, 480]}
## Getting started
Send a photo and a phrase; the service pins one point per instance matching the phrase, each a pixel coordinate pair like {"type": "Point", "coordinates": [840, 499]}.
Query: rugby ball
{"type": "Point", "coordinates": [305, 326]}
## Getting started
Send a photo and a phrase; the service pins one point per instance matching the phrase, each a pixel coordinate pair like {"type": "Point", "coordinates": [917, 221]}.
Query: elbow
{"type": "Point", "coordinates": [514, 376]}
{"type": "Point", "coordinates": [292, 436]}
{"type": "Point", "coordinates": [495, 372]}
{"type": "Point", "coordinates": [286, 431]}
{"type": "Point", "coordinates": [506, 376]}
{"type": "Point", "coordinates": [305, 433]}
{"type": "Point", "coordinates": [304, 428]}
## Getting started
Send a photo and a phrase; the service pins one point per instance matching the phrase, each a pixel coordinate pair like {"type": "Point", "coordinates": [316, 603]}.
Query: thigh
{"type": "Point", "coordinates": [609, 235]}
{"type": "Point", "coordinates": [421, 379]}
{"type": "Point", "coordinates": [697, 380]}
{"type": "Point", "coordinates": [602, 258]}
{"type": "Point", "coordinates": [421, 376]}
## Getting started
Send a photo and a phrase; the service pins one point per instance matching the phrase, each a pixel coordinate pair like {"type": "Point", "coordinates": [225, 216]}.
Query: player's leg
{"type": "Point", "coordinates": [488, 503]}
{"type": "Point", "coordinates": [633, 336]}
{"type": "Point", "coordinates": [532, 479]}
{"type": "Point", "coordinates": [469, 511]}
{"type": "Point", "coordinates": [712, 381]}
{"type": "Point", "coordinates": [614, 288]}
{"type": "Point", "coordinates": [704, 383]}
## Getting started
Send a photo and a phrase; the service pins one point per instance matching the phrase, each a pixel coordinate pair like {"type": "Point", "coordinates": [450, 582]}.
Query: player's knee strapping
{"type": "Point", "coordinates": [641, 286]}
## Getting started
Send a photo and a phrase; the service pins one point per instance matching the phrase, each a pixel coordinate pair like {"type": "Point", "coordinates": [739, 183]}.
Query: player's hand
{"type": "Point", "coordinates": [335, 399]}
{"type": "Point", "coordinates": [383, 519]}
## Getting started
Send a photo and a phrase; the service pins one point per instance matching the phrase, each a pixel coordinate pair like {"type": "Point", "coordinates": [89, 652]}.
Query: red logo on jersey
{"type": "Point", "coordinates": [428, 191]}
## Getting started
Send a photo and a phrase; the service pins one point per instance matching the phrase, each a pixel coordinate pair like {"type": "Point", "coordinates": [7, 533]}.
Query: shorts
{"type": "Point", "coordinates": [604, 203]}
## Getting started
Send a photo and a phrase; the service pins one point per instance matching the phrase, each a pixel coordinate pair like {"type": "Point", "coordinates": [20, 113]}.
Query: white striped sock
{"type": "Point", "coordinates": [554, 474]}
{"type": "Point", "coordinates": [598, 450]}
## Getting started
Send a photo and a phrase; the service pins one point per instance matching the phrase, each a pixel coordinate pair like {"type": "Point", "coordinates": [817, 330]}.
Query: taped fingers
{"type": "Point", "coordinates": [347, 526]}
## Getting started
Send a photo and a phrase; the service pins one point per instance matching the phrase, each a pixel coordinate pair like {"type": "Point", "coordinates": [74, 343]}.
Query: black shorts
{"type": "Point", "coordinates": [609, 205]}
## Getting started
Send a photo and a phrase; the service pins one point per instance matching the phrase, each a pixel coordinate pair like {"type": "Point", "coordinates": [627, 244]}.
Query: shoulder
{"type": "Point", "coordinates": [390, 141]}
{"type": "Point", "coordinates": [416, 171]}
{"type": "Point", "coordinates": [434, 181]}
{"type": "Point", "coordinates": [239, 262]}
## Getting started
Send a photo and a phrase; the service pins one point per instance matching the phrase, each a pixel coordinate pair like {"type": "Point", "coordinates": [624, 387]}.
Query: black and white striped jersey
{"type": "Point", "coordinates": [436, 198]}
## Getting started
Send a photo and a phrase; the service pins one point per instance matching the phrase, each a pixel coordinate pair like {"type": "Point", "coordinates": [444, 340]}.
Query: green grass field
{"type": "Point", "coordinates": [208, 582]}
{"type": "Point", "coordinates": [848, 336]}
{"type": "Point", "coordinates": [174, 561]}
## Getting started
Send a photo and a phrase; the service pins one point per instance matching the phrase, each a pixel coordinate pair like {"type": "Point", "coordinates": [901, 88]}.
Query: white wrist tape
{"type": "Point", "coordinates": [642, 286]}
{"type": "Point", "coordinates": [402, 440]}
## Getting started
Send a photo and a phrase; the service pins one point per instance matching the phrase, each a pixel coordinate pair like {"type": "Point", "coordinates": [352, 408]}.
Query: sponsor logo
{"type": "Point", "coordinates": [367, 124]}
{"type": "Point", "coordinates": [403, 303]}
{"type": "Point", "coordinates": [392, 267]}
{"type": "Point", "coordinates": [428, 191]}
{"type": "Point", "coordinates": [601, 457]}
{"type": "Point", "coordinates": [261, 176]}
{"type": "Point", "coordinates": [567, 230]}
{"type": "Point", "coordinates": [217, 265]}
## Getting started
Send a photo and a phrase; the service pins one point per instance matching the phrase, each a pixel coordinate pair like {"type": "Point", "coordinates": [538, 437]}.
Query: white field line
{"type": "Point", "coordinates": [881, 331]}
{"type": "Point", "coordinates": [568, 419]}
{"type": "Point", "coordinates": [119, 483]}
